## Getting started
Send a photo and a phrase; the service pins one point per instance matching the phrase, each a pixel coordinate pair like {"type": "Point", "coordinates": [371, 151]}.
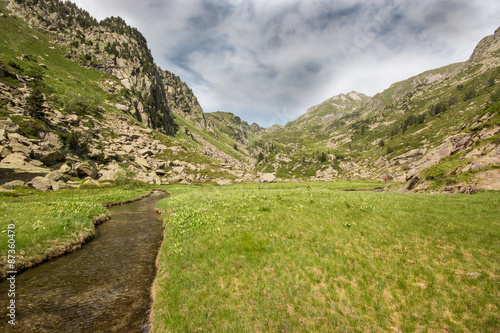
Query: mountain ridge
{"type": "Point", "coordinates": [439, 128]}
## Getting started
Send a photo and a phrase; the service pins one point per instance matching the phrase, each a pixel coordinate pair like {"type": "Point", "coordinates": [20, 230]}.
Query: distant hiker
{"type": "Point", "coordinates": [385, 178]}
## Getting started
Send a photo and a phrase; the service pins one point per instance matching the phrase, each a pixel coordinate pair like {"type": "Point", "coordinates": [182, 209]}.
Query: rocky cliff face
{"type": "Point", "coordinates": [113, 47]}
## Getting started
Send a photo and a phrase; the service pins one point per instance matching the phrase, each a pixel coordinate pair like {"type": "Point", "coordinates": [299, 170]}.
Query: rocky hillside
{"type": "Point", "coordinates": [82, 101]}
{"type": "Point", "coordinates": [440, 128]}
{"type": "Point", "coordinates": [332, 109]}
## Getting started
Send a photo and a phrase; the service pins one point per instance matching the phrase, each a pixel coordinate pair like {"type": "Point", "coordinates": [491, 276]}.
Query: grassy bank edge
{"type": "Point", "coordinates": [69, 245]}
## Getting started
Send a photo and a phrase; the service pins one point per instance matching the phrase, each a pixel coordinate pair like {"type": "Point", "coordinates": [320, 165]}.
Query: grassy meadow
{"type": "Point", "coordinates": [309, 257]}
{"type": "Point", "coordinates": [47, 221]}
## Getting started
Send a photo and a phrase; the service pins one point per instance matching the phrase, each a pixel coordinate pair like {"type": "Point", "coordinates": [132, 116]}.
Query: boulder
{"type": "Point", "coordinates": [16, 166]}
{"type": "Point", "coordinates": [8, 125]}
{"type": "Point", "coordinates": [178, 169]}
{"type": "Point", "coordinates": [64, 168]}
{"type": "Point", "coordinates": [4, 151]}
{"type": "Point", "coordinates": [488, 180]}
{"type": "Point", "coordinates": [111, 172]}
{"type": "Point", "coordinates": [410, 184]}
{"type": "Point", "coordinates": [52, 140]}
{"type": "Point", "coordinates": [12, 184]}
{"type": "Point", "coordinates": [128, 148]}
{"type": "Point", "coordinates": [160, 172]}
{"type": "Point", "coordinates": [87, 169]}
{"type": "Point", "coordinates": [176, 179]}
{"type": "Point", "coordinates": [57, 176]}
{"type": "Point", "coordinates": [37, 163]}
{"type": "Point", "coordinates": [268, 178]}
{"type": "Point", "coordinates": [150, 178]}
{"type": "Point", "coordinates": [16, 158]}
{"type": "Point", "coordinates": [48, 157]}
{"type": "Point", "coordinates": [18, 147]}
{"type": "Point", "coordinates": [44, 184]}
{"type": "Point", "coordinates": [142, 163]}
{"type": "Point", "coordinates": [145, 152]}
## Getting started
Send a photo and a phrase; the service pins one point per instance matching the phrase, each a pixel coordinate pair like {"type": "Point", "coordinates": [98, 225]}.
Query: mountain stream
{"type": "Point", "coordinates": [102, 287]}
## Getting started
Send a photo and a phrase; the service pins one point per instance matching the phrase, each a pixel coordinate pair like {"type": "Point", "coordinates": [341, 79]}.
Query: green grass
{"type": "Point", "coordinates": [48, 220]}
{"type": "Point", "coordinates": [306, 257]}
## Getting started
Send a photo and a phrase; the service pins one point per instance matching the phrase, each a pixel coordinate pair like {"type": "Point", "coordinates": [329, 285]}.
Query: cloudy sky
{"type": "Point", "coordinates": [267, 61]}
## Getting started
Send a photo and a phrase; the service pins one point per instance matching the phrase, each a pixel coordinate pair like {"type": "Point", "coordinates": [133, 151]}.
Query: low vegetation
{"type": "Point", "coordinates": [309, 257]}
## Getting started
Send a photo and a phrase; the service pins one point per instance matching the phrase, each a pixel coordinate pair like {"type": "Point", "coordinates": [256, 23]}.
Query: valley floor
{"type": "Point", "coordinates": [301, 257]}
{"type": "Point", "coordinates": [309, 257]}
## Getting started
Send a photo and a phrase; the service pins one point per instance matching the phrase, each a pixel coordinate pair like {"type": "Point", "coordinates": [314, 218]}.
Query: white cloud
{"type": "Point", "coordinates": [269, 60]}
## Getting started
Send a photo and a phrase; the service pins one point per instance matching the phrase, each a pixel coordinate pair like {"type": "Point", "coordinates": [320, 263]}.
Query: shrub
{"type": "Point", "coordinates": [470, 94]}
{"type": "Point", "coordinates": [76, 143]}
{"type": "Point", "coordinates": [34, 102]}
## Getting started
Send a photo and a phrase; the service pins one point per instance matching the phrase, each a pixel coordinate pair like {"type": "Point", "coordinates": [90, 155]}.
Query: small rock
{"type": "Point", "coordinates": [142, 163]}
{"type": "Point", "coordinates": [4, 151]}
{"type": "Point", "coordinates": [268, 178]}
{"type": "Point", "coordinates": [91, 182]}
{"type": "Point", "coordinates": [37, 163]}
{"type": "Point", "coordinates": [56, 176]}
{"type": "Point", "coordinates": [64, 168]}
{"type": "Point", "coordinates": [128, 148]}
{"type": "Point", "coordinates": [87, 169]}
{"type": "Point", "coordinates": [472, 275]}
{"type": "Point", "coordinates": [160, 172]}
{"type": "Point", "coordinates": [178, 169]}
{"type": "Point", "coordinates": [12, 184]}
{"type": "Point", "coordinates": [8, 125]}
{"type": "Point", "coordinates": [224, 182]}
{"type": "Point", "coordinates": [145, 152]}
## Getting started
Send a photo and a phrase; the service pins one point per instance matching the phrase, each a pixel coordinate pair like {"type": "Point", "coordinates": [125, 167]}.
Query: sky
{"type": "Point", "coordinates": [268, 61]}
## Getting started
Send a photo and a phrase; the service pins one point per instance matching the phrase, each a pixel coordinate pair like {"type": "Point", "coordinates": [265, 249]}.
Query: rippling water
{"type": "Point", "coordinates": [102, 287]}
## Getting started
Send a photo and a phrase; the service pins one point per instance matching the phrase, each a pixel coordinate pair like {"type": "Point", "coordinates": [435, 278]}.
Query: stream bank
{"type": "Point", "coordinates": [101, 287]}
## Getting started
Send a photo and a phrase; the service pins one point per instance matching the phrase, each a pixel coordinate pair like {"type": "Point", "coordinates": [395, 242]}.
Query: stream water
{"type": "Point", "coordinates": [102, 287]}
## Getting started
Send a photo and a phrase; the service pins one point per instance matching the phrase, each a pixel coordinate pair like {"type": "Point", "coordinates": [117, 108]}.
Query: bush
{"type": "Point", "coordinates": [34, 102]}
{"type": "Point", "coordinates": [76, 143]}
{"type": "Point", "coordinates": [470, 94]}
{"type": "Point", "coordinates": [439, 107]}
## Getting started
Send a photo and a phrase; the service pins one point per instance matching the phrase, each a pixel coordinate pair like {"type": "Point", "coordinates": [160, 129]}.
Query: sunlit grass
{"type": "Point", "coordinates": [308, 257]}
